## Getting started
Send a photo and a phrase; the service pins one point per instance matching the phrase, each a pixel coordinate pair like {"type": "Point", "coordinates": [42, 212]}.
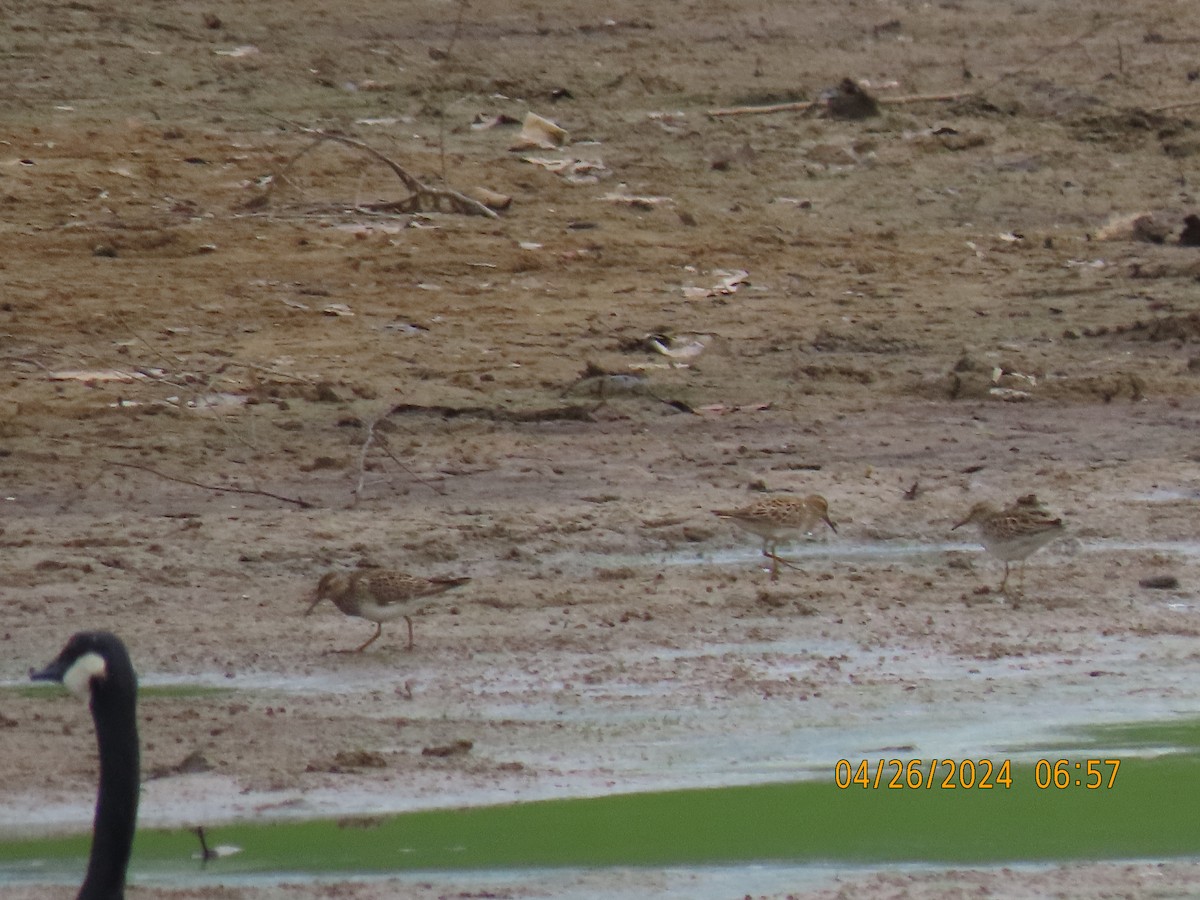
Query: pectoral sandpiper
{"type": "Point", "coordinates": [780, 517]}
{"type": "Point", "coordinates": [381, 595]}
{"type": "Point", "coordinates": [1013, 533]}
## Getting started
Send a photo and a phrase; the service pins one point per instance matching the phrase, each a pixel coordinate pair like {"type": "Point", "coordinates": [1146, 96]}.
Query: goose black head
{"type": "Point", "coordinates": [96, 665]}
{"type": "Point", "coordinates": [89, 664]}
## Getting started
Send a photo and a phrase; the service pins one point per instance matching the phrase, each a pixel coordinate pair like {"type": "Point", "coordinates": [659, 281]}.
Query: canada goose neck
{"type": "Point", "coordinates": [114, 711]}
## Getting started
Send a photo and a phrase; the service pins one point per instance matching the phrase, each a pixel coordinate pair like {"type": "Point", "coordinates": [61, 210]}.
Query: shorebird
{"type": "Point", "coordinates": [381, 595]}
{"type": "Point", "coordinates": [679, 349]}
{"type": "Point", "coordinates": [1013, 533]}
{"type": "Point", "coordinates": [780, 517]}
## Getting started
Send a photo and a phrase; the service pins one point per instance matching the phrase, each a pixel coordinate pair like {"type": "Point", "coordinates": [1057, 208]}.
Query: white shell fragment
{"type": "Point", "coordinates": [539, 133]}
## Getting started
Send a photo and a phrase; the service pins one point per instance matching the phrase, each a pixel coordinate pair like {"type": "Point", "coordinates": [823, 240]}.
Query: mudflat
{"type": "Point", "coordinates": [259, 322]}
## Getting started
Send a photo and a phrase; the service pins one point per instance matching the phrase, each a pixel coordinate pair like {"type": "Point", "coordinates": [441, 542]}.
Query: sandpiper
{"type": "Point", "coordinates": [780, 517]}
{"type": "Point", "coordinates": [381, 595]}
{"type": "Point", "coordinates": [679, 349]}
{"type": "Point", "coordinates": [1013, 533]}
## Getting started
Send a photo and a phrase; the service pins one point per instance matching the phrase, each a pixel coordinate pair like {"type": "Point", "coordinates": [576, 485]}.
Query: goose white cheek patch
{"type": "Point", "coordinates": [78, 678]}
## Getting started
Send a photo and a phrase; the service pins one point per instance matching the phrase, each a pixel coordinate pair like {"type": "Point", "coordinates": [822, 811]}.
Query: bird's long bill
{"type": "Point", "coordinates": [828, 521]}
{"type": "Point", "coordinates": [961, 524]}
{"type": "Point", "coordinates": [313, 605]}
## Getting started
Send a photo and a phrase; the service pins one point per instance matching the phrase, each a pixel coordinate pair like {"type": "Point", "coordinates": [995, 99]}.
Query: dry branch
{"type": "Point", "coordinates": [421, 198]}
{"type": "Point", "coordinates": [27, 361]}
{"type": "Point", "coordinates": [383, 445]}
{"type": "Point", "coordinates": [800, 106]}
{"type": "Point", "coordinates": [362, 461]}
{"type": "Point", "coordinates": [277, 373]}
{"type": "Point", "coordinates": [1098, 26]}
{"type": "Point", "coordinates": [378, 438]}
{"type": "Point", "coordinates": [303, 504]}
{"type": "Point", "coordinates": [1169, 107]}
{"type": "Point", "coordinates": [803, 105]}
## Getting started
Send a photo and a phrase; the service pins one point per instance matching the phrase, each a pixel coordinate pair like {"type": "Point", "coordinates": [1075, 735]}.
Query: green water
{"type": "Point", "coordinates": [1149, 812]}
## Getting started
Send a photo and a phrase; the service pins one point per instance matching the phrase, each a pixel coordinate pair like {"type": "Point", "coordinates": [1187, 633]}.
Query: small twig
{"type": "Point", "coordinates": [803, 105]}
{"type": "Point", "coordinates": [1160, 39]}
{"type": "Point", "coordinates": [760, 110]}
{"type": "Point", "coordinates": [922, 98]}
{"type": "Point", "coordinates": [362, 460]}
{"type": "Point", "coordinates": [1035, 65]}
{"type": "Point", "coordinates": [282, 174]}
{"type": "Point", "coordinates": [446, 56]}
{"type": "Point", "coordinates": [269, 371]}
{"type": "Point", "coordinates": [377, 437]}
{"type": "Point", "coordinates": [419, 191]}
{"type": "Point", "coordinates": [383, 445]}
{"type": "Point", "coordinates": [1173, 106]}
{"type": "Point", "coordinates": [462, 11]}
{"type": "Point", "coordinates": [170, 363]}
{"type": "Point", "coordinates": [303, 504]}
{"type": "Point", "coordinates": [25, 360]}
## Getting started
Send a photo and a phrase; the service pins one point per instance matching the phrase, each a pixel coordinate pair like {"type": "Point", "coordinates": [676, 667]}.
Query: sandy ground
{"type": "Point", "coordinates": [225, 375]}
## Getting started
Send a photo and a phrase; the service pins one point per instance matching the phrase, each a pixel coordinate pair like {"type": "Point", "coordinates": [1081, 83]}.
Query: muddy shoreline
{"type": "Point", "coordinates": [226, 372]}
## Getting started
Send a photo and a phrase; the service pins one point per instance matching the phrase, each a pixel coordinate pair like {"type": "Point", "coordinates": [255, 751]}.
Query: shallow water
{"type": "Point", "coordinates": [785, 746]}
{"type": "Point", "coordinates": [889, 550]}
{"type": "Point", "coordinates": [1143, 807]}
